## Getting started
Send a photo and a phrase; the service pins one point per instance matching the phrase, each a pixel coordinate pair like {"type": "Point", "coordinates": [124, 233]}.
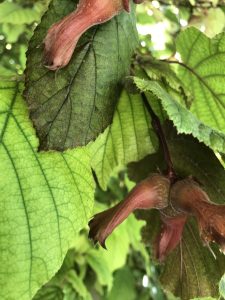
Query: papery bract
{"type": "Point", "coordinates": [170, 235]}
{"type": "Point", "coordinates": [150, 193]}
{"type": "Point", "coordinates": [63, 36]}
{"type": "Point", "coordinates": [187, 196]}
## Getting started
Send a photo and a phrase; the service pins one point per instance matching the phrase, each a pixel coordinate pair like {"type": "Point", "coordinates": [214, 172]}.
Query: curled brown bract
{"type": "Point", "coordinates": [62, 37]}
{"type": "Point", "coordinates": [187, 196]}
{"type": "Point", "coordinates": [150, 193]}
{"type": "Point", "coordinates": [170, 235]}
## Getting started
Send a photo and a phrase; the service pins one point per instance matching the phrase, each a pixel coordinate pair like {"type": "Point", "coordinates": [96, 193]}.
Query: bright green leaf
{"type": "Point", "coordinates": [184, 120]}
{"type": "Point", "coordinates": [101, 268]}
{"type": "Point", "coordinates": [12, 32]}
{"type": "Point", "coordinates": [129, 138]}
{"type": "Point", "coordinates": [123, 286]}
{"type": "Point", "coordinates": [52, 292]}
{"type": "Point", "coordinates": [78, 101]}
{"type": "Point", "coordinates": [45, 200]}
{"type": "Point", "coordinates": [203, 74]}
{"type": "Point", "coordinates": [77, 284]}
{"type": "Point", "coordinates": [12, 13]}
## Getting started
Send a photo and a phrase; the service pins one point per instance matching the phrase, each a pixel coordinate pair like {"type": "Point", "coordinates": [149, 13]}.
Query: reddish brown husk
{"type": "Point", "coordinates": [187, 196]}
{"type": "Point", "coordinates": [150, 193]}
{"type": "Point", "coordinates": [63, 36]}
{"type": "Point", "coordinates": [170, 235]}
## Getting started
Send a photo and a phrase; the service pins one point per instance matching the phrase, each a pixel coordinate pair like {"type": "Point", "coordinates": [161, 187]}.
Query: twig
{"type": "Point", "coordinates": [161, 136]}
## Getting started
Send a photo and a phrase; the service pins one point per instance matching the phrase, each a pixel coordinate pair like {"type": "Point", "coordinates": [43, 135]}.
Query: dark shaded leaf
{"type": "Point", "coordinates": [191, 270]}
{"type": "Point", "coordinates": [72, 106]}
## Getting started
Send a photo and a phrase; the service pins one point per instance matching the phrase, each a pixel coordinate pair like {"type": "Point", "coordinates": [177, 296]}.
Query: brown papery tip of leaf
{"type": "Point", "coordinates": [126, 5]}
{"type": "Point", "coordinates": [99, 226]}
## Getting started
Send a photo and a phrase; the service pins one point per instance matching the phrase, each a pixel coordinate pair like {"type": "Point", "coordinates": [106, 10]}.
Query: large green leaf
{"type": "Point", "coordinates": [203, 73]}
{"type": "Point", "coordinates": [129, 138]}
{"type": "Point", "coordinates": [184, 120]}
{"type": "Point", "coordinates": [191, 270]}
{"type": "Point", "coordinates": [45, 199]}
{"type": "Point", "coordinates": [71, 107]}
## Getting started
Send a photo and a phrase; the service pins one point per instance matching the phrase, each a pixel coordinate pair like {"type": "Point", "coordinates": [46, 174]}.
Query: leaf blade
{"type": "Point", "coordinates": [43, 201]}
{"type": "Point", "coordinates": [79, 100]}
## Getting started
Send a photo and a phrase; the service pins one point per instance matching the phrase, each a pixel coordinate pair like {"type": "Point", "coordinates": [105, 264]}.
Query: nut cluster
{"type": "Point", "coordinates": [176, 202]}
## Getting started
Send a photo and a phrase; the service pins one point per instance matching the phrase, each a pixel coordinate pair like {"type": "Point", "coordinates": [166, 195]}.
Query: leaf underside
{"type": "Point", "coordinates": [129, 138]}
{"type": "Point", "coordinates": [72, 106]}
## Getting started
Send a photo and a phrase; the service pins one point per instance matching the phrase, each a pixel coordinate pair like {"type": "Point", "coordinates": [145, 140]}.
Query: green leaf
{"type": "Point", "coordinates": [12, 31]}
{"type": "Point", "coordinates": [12, 13]}
{"type": "Point", "coordinates": [129, 138]}
{"type": "Point", "coordinates": [79, 100]}
{"type": "Point", "coordinates": [101, 268]}
{"type": "Point", "coordinates": [77, 284]}
{"type": "Point", "coordinates": [123, 286]}
{"type": "Point", "coordinates": [45, 200]}
{"type": "Point", "coordinates": [190, 271]}
{"type": "Point", "coordinates": [185, 121]}
{"type": "Point", "coordinates": [203, 74]}
{"type": "Point", "coordinates": [53, 292]}
{"type": "Point", "coordinates": [118, 249]}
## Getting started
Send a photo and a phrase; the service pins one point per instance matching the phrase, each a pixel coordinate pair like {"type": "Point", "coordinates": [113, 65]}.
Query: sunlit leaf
{"type": "Point", "coordinates": [184, 120]}
{"type": "Point", "coordinates": [129, 138]}
{"type": "Point", "coordinates": [45, 200]}
{"type": "Point", "coordinates": [203, 74]}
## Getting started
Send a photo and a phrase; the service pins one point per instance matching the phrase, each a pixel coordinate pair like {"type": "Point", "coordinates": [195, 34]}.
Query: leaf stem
{"type": "Point", "coordinates": [161, 136]}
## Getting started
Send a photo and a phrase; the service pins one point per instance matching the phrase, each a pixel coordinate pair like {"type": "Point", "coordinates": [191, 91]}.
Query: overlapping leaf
{"type": "Point", "coordinates": [203, 74]}
{"type": "Point", "coordinates": [45, 200]}
{"type": "Point", "coordinates": [129, 138]}
{"type": "Point", "coordinates": [184, 120]}
{"type": "Point", "coordinates": [71, 107]}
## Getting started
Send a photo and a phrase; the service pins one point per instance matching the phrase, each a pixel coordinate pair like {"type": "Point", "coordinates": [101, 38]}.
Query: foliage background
{"type": "Point", "coordinates": [88, 272]}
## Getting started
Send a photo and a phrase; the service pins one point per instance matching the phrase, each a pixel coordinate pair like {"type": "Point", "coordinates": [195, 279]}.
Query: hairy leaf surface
{"type": "Point", "coordinates": [203, 73]}
{"type": "Point", "coordinates": [184, 120]}
{"type": "Point", "coordinates": [45, 200]}
{"type": "Point", "coordinates": [72, 106]}
{"type": "Point", "coordinates": [129, 138]}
